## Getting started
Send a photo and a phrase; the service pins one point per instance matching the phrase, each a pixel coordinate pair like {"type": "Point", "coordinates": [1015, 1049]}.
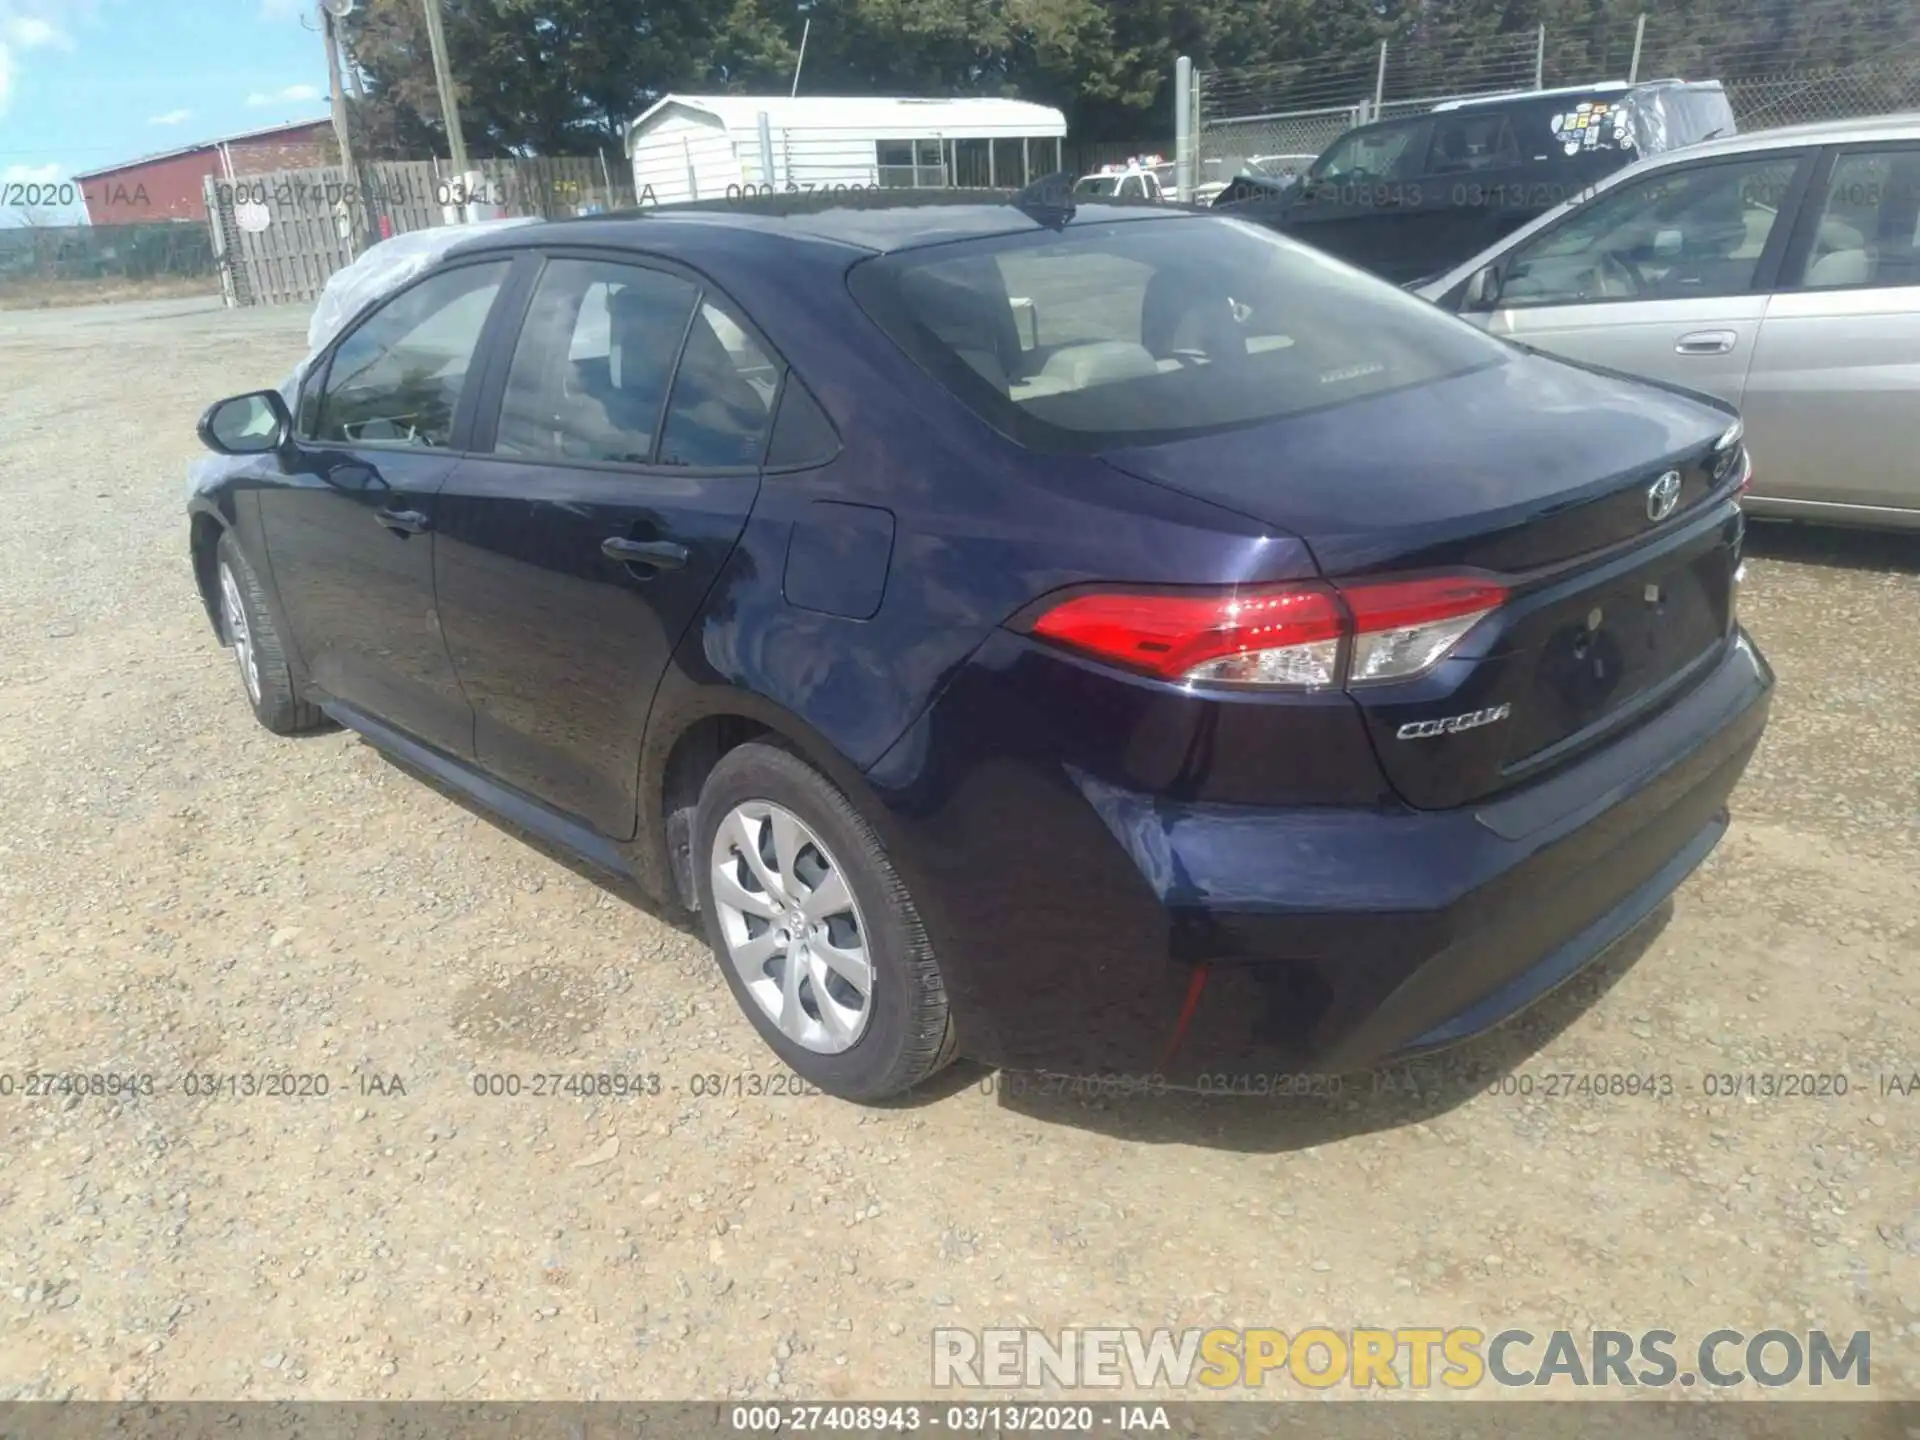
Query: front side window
{"type": "Point", "coordinates": [1133, 332]}
{"type": "Point", "coordinates": [1377, 153]}
{"type": "Point", "coordinates": [1869, 227]}
{"type": "Point", "coordinates": [398, 378]}
{"type": "Point", "coordinates": [1675, 235]}
{"type": "Point", "coordinates": [593, 363]}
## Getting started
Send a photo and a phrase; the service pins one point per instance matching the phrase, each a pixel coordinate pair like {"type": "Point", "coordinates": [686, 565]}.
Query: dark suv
{"type": "Point", "coordinates": [1408, 198]}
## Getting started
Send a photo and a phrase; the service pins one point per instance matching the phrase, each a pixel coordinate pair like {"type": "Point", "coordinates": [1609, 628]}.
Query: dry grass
{"type": "Point", "coordinates": [55, 294]}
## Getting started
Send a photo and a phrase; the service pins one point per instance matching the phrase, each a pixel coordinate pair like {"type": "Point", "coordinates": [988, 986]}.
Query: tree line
{"type": "Point", "coordinates": [565, 77]}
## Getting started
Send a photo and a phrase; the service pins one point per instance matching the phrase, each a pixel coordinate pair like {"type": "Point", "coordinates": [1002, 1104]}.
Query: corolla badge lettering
{"type": "Point", "coordinates": [1453, 724]}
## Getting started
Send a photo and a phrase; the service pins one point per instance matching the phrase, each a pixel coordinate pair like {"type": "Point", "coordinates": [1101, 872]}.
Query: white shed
{"type": "Point", "coordinates": [711, 147]}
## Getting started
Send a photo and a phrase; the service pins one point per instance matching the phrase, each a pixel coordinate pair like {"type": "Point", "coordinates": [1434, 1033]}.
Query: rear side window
{"type": "Point", "coordinates": [1130, 333]}
{"type": "Point", "coordinates": [723, 396]}
{"type": "Point", "coordinates": [1868, 233]}
{"type": "Point", "coordinates": [1466, 142]}
{"type": "Point", "coordinates": [593, 363]}
{"type": "Point", "coordinates": [802, 434]}
{"type": "Point", "coordinates": [1576, 127]}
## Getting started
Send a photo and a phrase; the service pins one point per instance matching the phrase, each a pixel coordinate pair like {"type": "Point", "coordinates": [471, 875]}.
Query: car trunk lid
{"type": "Point", "coordinates": [1604, 507]}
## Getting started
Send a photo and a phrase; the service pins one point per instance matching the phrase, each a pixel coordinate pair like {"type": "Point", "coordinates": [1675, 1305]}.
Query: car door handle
{"type": "Point", "coordinates": [660, 554]}
{"type": "Point", "coordinates": [1706, 342]}
{"type": "Point", "coordinates": [405, 522]}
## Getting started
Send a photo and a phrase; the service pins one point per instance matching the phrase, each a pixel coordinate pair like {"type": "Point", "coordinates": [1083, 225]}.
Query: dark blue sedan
{"type": "Point", "coordinates": [1119, 642]}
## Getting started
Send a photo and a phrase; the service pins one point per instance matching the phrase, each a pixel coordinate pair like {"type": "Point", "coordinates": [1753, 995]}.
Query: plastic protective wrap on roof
{"type": "Point", "coordinates": [383, 269]}
{"type": "Point", "coordinates": [380, 270]}
{"type": "Point", "coordinates": [1665, 115]}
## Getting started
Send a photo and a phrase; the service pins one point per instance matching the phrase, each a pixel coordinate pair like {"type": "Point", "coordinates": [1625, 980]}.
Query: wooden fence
{"type": "Point", "coordinates": [279, 236]}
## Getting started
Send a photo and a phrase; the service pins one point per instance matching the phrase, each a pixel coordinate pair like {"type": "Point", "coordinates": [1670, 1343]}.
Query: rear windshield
{"type": "Point", "coordinates": [1106, 335]}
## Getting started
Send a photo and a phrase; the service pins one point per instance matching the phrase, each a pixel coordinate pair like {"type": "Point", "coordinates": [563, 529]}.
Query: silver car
{"type": "Point", "coordinates": [1779, 270]}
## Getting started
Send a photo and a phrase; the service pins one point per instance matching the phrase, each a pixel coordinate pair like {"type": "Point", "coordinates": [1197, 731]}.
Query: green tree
{"type": "Point", "coordinates": [552, 76]}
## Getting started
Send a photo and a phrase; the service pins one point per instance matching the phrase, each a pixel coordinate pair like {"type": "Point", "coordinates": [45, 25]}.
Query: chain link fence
{"type": "Point", "coordinates": [1762, 102]}
{"type": "Point", "coordinates": [62, 264]}
{"type": "Point", "coordinates": [1854, 58]}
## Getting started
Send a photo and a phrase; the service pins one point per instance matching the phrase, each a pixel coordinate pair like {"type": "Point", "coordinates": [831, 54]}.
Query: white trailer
{"type": "Point", "coordinates": [714, 147]}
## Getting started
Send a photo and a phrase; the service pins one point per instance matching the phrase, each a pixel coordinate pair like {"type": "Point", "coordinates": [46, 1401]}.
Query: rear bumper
{"type": "Point", "coordinates": [1207, 940]}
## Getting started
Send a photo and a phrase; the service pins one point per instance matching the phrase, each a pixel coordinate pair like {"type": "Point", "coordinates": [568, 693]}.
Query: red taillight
{"type": "Point", "coordinates": [1284, 636]}
{"type": "Point", "coordinates": [1212, 637]}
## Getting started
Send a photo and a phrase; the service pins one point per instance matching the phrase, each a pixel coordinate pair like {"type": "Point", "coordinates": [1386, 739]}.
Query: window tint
{"type": "Point", "coordinates": [722, 396]}
{"type": "Point", "coordinates": [397, 379]}
{"type": "Point", "coordinates": [1467, 142]}
{"type": "Point", "coordinates": [592, 364]}
{"type": "Point", "coordinates": [1156, 329]}
{"type": "Point", "coordinates": [1383, 153]}
{"type": "Point", "coordinates": [1674, 235]}
{"type": "Point", "coordinates": [802, 434]}
{"type": "Point", "coordinates": [1131, 189]}
{"type": "Point", "coordinates": [1869, 227]}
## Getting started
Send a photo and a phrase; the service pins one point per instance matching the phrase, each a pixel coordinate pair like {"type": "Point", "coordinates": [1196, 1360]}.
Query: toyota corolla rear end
{"type": "Point", "coordinates": [1459, 707]}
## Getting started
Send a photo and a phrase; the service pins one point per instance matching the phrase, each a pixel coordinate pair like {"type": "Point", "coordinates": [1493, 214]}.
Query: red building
{"type": "Point", "coordinates": [170, 186]}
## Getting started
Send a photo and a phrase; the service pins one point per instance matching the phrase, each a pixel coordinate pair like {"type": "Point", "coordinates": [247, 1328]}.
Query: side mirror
{"type": "Point", "coordinates": [1483, 290]}
{"type": "Point", "coordinates": [252, 424]}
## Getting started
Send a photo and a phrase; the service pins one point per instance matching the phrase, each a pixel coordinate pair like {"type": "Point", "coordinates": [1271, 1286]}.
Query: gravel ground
{"type": "Point", "coordinates": [181, 893]}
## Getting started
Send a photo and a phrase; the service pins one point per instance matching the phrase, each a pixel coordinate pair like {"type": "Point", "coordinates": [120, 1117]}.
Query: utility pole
{"type": "Point", "coordinates": [805, 30]}
{"type": "Point", "coordinates": [1183, 179]}
{"type": "Point", "coordinates": [443, 78]}
{"type": "Point", "coordinates": [342, 132]}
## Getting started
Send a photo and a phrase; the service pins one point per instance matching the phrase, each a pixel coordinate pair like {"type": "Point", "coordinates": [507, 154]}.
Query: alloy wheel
{"type": "Point", "coordinates": [793, 931]}
{"type": "Point", "coordinates": [238, 635]}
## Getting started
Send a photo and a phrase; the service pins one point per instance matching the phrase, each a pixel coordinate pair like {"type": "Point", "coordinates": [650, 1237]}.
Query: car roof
{"type": "Point", "coordinates": [869, 221]}
{"type": "Point", "coordinates": [1514, 97]}
{"type": "Point", "coordinates": [1903, 126]}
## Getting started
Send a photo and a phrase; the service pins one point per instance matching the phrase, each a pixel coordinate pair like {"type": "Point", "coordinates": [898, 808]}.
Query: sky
{"type": "Point", "coordinates": [89, 83]}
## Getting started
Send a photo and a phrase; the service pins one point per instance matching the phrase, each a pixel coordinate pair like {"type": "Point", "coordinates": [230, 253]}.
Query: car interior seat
{"type": "Point", "coordinates": [1710, 261]}
{"type": "Point", "coordinates": [973, 321]}
{"type": "Point", "coordinates": [1850, 266]}
{"type": "Point", "coordinates": [1182, 312]}
{"type": "Point", "coordinates": [1896, 246]}
{"type": "Point", "coordinates": [717, 417]}
{"type": "Point", "coordinates": [614, 418]}
{"type": "Point", "coordinates": [1451, 152]}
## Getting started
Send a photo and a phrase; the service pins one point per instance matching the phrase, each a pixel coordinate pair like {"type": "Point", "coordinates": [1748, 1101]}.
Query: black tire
{"type": "Point", "coordinates": [909, 1033]}
{"type": "Point", "coordinates": [278, 706]}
